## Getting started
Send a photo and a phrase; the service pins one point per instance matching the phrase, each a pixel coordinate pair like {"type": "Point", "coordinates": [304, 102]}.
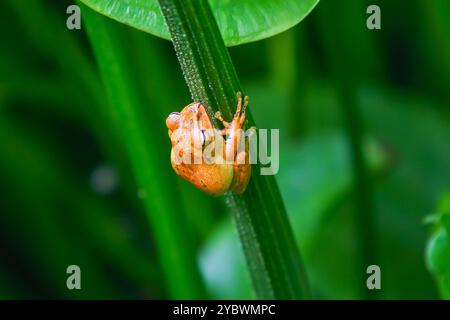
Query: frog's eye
{"type": "Point", "coordinates": [173, 120]}
{"type": "Point", "coordinates": [203, 138]}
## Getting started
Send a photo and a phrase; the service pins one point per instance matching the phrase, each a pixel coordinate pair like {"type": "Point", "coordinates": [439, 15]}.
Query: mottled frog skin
{"type": "Point", "coordinates": [191, 131]}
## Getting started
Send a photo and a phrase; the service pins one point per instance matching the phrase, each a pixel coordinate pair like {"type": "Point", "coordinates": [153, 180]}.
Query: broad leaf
{"type": "Point", "coordinates": [239, 21]}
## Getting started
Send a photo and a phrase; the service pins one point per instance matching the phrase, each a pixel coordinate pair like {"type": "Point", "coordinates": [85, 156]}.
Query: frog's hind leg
{"type": "Point", "coordinates": [239, 115]}
{"type": "Point", "coordinates": [242, 170]}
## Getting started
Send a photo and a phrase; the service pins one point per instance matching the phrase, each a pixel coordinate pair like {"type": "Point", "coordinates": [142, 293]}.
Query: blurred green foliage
{"type": "Point", "coordinates": [55, 136]}
{"type": "Point", "coordinates": [438, 250]}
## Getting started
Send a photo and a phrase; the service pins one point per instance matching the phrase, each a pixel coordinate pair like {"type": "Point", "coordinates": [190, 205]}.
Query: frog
{"type": "Point", "coordinates": [191, 132]}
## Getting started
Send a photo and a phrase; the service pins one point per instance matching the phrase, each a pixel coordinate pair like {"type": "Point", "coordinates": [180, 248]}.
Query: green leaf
{"type": "Point", "coordinates": [438, 249]}
{"type": "Point", "coordinates": [239, 21]}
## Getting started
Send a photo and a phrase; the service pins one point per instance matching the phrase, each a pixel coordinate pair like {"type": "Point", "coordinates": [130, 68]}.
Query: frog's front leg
{"type": "Point", "coordinates": [239, 116]}
{"type": "Point", "coordinates": [234, 130]}
{"type": "Point", "coordinates": [218, 116]}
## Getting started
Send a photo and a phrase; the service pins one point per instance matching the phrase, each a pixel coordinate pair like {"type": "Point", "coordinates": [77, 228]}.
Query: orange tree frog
{"type": "Point", "coordinates": [191, 133]}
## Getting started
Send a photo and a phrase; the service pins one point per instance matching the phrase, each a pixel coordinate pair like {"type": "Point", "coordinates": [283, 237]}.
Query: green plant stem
{"type": "Point", "coordinates": [157, 184]}
{"type": "Point", "coordinates": [339, 46]}
{"type": "Point", "coordinates": [438, 41]}
{"type": "Point", "coordinates": [365, 214]}
{"type": "Point", "coordinates": [283, 74]}
{"type": "Point", "coordinates": [286, 74]}
{"type": "Point", "coordinates": [259, 214]}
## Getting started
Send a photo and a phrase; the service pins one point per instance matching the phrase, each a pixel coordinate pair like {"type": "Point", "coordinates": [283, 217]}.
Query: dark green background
{"type": "Point", "coordinates": [54, 137]}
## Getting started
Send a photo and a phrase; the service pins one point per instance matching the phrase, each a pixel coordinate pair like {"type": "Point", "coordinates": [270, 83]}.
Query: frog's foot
{"type": "Point", "coordinates": [242, 116]}
{"type": "Point", "coordinates": [218, 116]}
{"type": "Point", "coordinates": [239, 103]}
{"type": "Point", "coordinates": [240, 109]}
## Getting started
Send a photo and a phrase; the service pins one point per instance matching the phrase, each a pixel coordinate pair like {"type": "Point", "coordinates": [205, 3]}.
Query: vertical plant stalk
{"type": "Point", "coordinates": [173, 240]}
{"type": "Point", "coordinates": [365, 214]}
{"type": "Point", "coordinates": [342, 56]}
{"type": "Point", "coordinates": [286, 73]}
{"type": "Point", "coordinates": [283, 75]}
{"type": "Point", "coordinates": [439, 41]}
{"type": "Point", "coordinates": [267, 239]}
